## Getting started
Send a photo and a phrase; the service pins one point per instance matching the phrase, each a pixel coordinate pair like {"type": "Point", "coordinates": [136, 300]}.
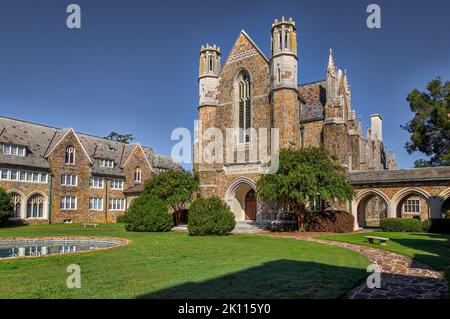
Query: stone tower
{"type": "Point", "coordinates": [284, 91]}
{"type": "Point", "coordinates": [208, 82]}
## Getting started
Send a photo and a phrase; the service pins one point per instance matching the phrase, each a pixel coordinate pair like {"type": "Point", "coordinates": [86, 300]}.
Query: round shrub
{"type": "Point", "coordinates": [332, 221]}
{"type": "Point", "coordinates": [426, 225]}
{"type": "Point", "coordinates": [6, 207]}
{"type": "Point", "coordinates": [401, 225]}
{"type": "Point", "coordinates": [210, 216]}
{"type": "Point", "coordinates": [148, 214]}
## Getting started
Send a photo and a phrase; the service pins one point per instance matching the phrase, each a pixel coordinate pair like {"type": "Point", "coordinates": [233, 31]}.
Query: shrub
{"type": "Point", "coordinates": [6, 207]}
{"type": "Point", "coordinates": [120, 219]}
{"type": "Point", "coordinates": [148, 214]}
{"type": "Point", "coordinates": [334, 221]}
{"type": "Point", "coordinates": [210, 216]}
{"type": "Point", "coordinates": [401, 225]}
{"type": "Point", "coordinates": [426, 225]}
{"type": "Point", "coordinates": [438, 225]}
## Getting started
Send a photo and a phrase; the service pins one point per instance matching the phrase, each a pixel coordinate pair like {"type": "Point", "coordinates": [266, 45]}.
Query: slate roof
{"type": "Point", "coordinates": [400, 175]}
{"type": "Point", "coordinates": [40, 139]}
{"type": "Point", "coordinates": [314, 94]}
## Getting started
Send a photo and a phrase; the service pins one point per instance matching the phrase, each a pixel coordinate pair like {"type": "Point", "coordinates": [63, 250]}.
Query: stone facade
{"type": "Point", "coordinates": [315, 114]}
{"type": "Point", "coordinates": [37, 177]}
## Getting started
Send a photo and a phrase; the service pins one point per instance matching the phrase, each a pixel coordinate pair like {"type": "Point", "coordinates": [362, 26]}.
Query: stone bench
{"type": "Point", "coordinates": [372, 239]}
{"type": "Point", "coordinates": [86, 225]}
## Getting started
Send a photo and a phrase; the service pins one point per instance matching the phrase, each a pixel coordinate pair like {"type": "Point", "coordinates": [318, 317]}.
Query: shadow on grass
{"type": "Point", "coordinates": [288, 279]}
{"type": "Point", "coordinates": [276, 279]}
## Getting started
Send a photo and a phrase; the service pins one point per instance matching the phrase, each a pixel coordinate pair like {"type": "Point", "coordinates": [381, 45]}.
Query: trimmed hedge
{"type": "Point", "coordinates": [6, 207]}
{"type": "Point", "coordinates": [210, 216]}
{"type": "Point", "coordinates": [148, 214]}
{"type": "Point", "coordinates": [437, 225]}
{"type": "Point", "coordinates": [401, 225]}
{"type": "Point", "coordinates": [333, 221]}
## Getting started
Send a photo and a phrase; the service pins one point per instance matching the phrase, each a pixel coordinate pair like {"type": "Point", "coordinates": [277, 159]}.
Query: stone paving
{"type": "Point", "coordinates": [401, 276]}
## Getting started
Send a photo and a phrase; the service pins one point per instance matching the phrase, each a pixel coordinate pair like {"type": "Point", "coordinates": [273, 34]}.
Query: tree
{"type": "Point", "coordinates": [430, 127]}
{"type": "Point", "coordinates": [303, 175]}
{"type": "Point", "coordinates": [174, 187]}
{"type": "Point", "coordinates": [6, 206]}
{"type": "Point", "coordinates": [123, 138]}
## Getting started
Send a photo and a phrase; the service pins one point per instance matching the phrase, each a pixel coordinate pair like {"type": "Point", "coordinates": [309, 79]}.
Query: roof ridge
{"type": "Point", "coordinates": [61, 129]}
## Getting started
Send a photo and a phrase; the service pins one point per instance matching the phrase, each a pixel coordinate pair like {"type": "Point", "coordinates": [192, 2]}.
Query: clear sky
{"type": "Point", "coordinates": [133, 65]}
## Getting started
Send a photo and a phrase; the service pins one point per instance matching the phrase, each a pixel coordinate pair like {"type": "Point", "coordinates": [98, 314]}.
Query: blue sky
{"type": "Point", "coordinates": [133, 66]}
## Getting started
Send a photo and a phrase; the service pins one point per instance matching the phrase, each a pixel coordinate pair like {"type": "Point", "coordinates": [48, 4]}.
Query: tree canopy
{"type": "Point", "coordinates": [303, 175]}
{"type": "Point", "coordinates": [174, 187]}
{"type": "Point", "coordinates": [123, 138]}
{"type": "Point", "coordinates": [430, 127]}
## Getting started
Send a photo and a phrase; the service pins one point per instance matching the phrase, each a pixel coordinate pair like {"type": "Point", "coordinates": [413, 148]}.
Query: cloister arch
{"type": "Point", "coordinates": [371, 206]}
{"type": "Point", "coordinates": [236, 195]}
{"type": "Point", "coordinates": [444, 198]}
{"type": "Point", "coordinates": [412, 202]}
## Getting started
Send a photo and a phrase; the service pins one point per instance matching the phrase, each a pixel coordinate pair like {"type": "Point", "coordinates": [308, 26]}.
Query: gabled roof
{"type": "Point", "coordinates": [40, 141]}
{"type": "Point", "coordinates": [314, 94]}
{"type": "Point", "coordinates": [253, 43]}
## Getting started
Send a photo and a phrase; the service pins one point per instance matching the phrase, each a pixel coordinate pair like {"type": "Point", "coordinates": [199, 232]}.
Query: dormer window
{"type": "Point", "coordinates": [110, 148]}
{"type": "Point", "coordinates": [137, 175]}
{"type": "Point", "coordinates": [10, 149]}
{"type": "Point", "coordinates": [70, 155]}
{"type": "Point", "coordinates": [107, 163]}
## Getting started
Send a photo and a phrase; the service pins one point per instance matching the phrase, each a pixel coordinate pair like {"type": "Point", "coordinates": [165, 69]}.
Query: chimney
{"type": "Point", "coordinates": [376, 125]}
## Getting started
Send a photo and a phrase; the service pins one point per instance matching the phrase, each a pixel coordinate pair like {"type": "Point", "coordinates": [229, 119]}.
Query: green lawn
{"type": "Point", "coordinates": [175, 265]}
{"type": "Point", "coordinates": [432, 249]}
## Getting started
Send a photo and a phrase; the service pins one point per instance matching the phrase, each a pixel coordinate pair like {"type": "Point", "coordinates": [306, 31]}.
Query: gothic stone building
{"type": "Point", "coordinates": [252, 91]}
{"type": "Point", "coordinates": [59, 175]}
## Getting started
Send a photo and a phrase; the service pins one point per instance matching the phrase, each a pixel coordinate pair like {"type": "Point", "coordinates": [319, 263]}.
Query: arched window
{"type": "Point", "coordinates": [137, 175]}
{"type": "Point", "coordinates": [210, 63]}
{"type": "Point", "coordinates": [70, 155]}
{"type": "Point", "coordinates": [35, 206]}
{"type": "Point", "coordinates": [16, 200]}
{"type": "Point", "coordinates": [244, 105]}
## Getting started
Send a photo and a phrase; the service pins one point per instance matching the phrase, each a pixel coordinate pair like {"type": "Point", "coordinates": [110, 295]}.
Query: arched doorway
{"type": "Point", "coordinates": [35, 206]}
{"type": "Point", "coordinates": [250, 205]}
{"type": "Point", "coordinates": [241, 197]}
{"type": "Point", "coordinates": [372, 208]}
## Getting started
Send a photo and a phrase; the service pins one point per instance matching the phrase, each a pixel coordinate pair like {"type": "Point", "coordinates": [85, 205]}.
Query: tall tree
{"type": "Point", "coordinates": [303, 175]}
{"type": "Point", "coordinates": [430, 127]}
{"type": "Point", "coordinates": [124, 138]}
{"type": "Point", "coordinates": [6, 206]}
{"type": "Point", "coordinates": [175, 187]}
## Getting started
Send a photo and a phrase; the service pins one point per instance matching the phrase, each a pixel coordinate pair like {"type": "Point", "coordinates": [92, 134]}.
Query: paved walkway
{"type": "Point", "coordinates": [401, 276]}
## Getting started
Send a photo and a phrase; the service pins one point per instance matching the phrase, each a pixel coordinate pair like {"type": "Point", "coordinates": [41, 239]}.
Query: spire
{"type": "Point", "coordinates": [331, 68]}
{"type": "Point", "coordinates": [346, 85]}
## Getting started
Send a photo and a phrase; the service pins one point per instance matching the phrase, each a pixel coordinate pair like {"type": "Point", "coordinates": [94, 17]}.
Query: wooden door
{"type": "Point", "coordinates": [250, 205]}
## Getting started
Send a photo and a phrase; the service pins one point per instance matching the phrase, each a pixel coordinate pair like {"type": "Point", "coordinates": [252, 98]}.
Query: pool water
{"type": "Point", "coordinates": [28, 248]}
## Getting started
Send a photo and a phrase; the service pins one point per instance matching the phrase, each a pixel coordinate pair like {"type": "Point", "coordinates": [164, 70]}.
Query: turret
{"type": "Point", "coordinates": [208, 79]}
{"type": "Point", "coordinates": [284, 54]}
{"type": "Point", "coordinates": [284, 95]}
